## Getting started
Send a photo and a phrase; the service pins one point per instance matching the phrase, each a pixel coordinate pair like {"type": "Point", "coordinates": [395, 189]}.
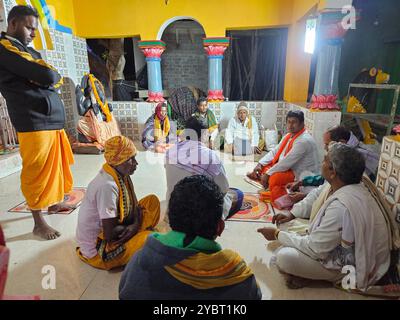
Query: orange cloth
{"type": "Point", "coordinates": [96, 85]}
{"type": "Point", "coordinates": [278, 182]}
{"type": "Point", "coordinates": [46, 175]}
{"type": "Point", "coordinates": [151, 217]}
{"type": "Point", "coordinates": [283, 145]}
{"type": "Point", "coordinates": [118, 150]}
{"type": "Point", "coordinates": [96, 130]}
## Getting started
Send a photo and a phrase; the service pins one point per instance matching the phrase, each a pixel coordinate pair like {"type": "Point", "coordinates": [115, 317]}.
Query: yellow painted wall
{"type": "Point", "coordinates": [145, 18]}
{"type": "Point", "coordinates": [298, 62]}
{"type": "Point", "coordinates": [64, 12]}
{"type": "Point", "coordinates": [125, 18]}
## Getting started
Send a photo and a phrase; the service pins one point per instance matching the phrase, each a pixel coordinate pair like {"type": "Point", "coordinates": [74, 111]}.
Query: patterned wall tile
{"type": "Point", "coordinates": [397, 152]}
{"type": "Point", "coordinates": [395, 169]}
{"type": "Point", "coordinates": [8, 4]}
{"type": "Point", "coordinates": [396, 211]}
{"type": "Point", "coordinates": [57, 57]}
{"type": "Point", "coordinates": [81, 57]}
{"type": "Point", "coordinates": [127, 117]}
{"type": "Point", "coordinates": [388, 147]}
{"type": "Point", "coordinates": [389, 172]}
{"type": "Point", "coordinates": [216, 109]}
{"type": "Point", "coordinates": [380, 181]}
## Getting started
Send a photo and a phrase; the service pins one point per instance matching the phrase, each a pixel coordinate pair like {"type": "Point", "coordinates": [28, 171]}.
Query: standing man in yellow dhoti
{"type": "Point", "coordinates": [30, 85]}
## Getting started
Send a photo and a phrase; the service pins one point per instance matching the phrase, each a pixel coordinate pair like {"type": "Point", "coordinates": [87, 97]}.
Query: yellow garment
{"type": "Point", "coordinates": [212, 128]}
{"type": "Point", "coordinates": [250, 122]}
{"type": "Point", "coordinates": [206, 271]}
{"type": "Point", "coordinates": [126, 193]}
{"type": "Point", "coordinates": [158, 134]}
{"type": "Point", "coordinates": [10, 47]}
{"type": "Point", "coordinates": [317, 205]}
{"type": "Point", "coordinates": [118, 150]}
{"type": "Point", "coordinates": [103, 106]}
{"type": "Point", "coordinates": [261, 144]}
{"type": "Point", "coordinates": [151, 217]}
{"type": "Point", "coordinates": [354, 106]}
{"type": "Point", "coordinates": [368, 134]}
{"type": "Point", "coordinates": [46, 175]}
{"type": "Point", "coordinates": [301, 226]}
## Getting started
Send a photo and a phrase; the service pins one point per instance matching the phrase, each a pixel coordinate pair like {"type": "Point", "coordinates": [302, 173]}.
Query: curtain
{"type": "Point", "coordinates": [255, 65]}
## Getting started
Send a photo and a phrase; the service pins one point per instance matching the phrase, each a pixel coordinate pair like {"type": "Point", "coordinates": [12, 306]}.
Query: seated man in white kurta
{"type": "Point", "coordinates": [294, 156]}
{"type": "Point", "coordinates": [242, 137]}
{"type": "Point", "coordinates": [350, 228]}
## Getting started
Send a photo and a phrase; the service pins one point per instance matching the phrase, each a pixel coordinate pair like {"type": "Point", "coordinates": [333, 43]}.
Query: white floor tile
{"type": "Point", "coordinates": [76, 280]}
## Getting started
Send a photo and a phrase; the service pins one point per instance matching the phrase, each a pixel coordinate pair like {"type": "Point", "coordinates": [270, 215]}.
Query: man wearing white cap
{"type": "Point", "coordinates": [242, 136]}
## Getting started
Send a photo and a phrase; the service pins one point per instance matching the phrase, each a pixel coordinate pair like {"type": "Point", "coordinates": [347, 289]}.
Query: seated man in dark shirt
{"type": "Point", "coordinates": [187, 262]}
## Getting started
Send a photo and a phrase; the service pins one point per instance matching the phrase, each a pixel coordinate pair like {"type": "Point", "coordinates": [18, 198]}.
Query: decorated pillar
{"type": "Point", "coordinates": [215, 48]}
{"type": "Point", "coordinates": [330, 38]}
{"type": "Point", "coordinates": [153, 50]}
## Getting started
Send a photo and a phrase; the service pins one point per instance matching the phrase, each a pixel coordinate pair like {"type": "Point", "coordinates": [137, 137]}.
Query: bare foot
{"type": "Point", "coordinates": [234, 197]}
{"type": "Point", "coordinates": [60, 207]}
{"type": "Point", "coordinates": [253, 176]}
{"type": "Point", "coordinates": [46, 232]}
{"type": "Point", "coordinates": [293, 282]}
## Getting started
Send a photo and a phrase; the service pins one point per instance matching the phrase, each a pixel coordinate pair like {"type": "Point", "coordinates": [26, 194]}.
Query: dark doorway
{"type": "Point", "coordinates": [255, 64]}
{"type": "Point", "coordinates": [117, 90]}
{"type": "Point", "coordinates": [184, 62]}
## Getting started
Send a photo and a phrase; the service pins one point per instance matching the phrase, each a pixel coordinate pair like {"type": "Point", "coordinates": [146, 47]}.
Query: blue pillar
{"type": "Point", "coordinates": [215, 48]}
{"type": "Point", "coordinates": [330, 39]}
{"type": "Point", "coordinates": [153, 51]}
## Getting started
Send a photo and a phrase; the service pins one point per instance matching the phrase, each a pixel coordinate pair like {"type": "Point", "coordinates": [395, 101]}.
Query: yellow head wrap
{"type": "Point", "coordinates": [118, 150]}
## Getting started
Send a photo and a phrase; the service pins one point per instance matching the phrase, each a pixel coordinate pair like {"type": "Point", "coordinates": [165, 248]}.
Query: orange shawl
{"type": "Point", "coordinates": [284, 143]}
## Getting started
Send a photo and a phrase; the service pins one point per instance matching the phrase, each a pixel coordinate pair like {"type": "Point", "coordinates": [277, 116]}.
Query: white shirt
{"type": "Point", "coordinates": [324, 239]}
{"type": "Point", "coordinates": [100, 203]}
{"type": "Point", "coordinates": [303, 208]}
{"type": "Point", "coordinates": [236, 129]}
{"type": "Point", "coordinates": [335, 222]}
{"type": "Point", "coordinates": [302, 157]}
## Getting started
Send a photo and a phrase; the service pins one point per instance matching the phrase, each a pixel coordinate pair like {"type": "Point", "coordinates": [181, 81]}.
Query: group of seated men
{"type": "Point", "coordinates": [241, 137]}
{"type": "Point", "coordinates": [349, 222]}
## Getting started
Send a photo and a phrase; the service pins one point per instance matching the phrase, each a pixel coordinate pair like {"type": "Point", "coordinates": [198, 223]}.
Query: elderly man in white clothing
{"type": "Point", "coordinates": [349, 228]}
{"type": "Point", "coordinates": [242, 137]}
{"type": "Point", "coordinates": [294, 156]}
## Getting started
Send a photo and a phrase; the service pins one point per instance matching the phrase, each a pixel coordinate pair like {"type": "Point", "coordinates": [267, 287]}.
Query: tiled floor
{"type": "Point", "coordinates": [75, 280]}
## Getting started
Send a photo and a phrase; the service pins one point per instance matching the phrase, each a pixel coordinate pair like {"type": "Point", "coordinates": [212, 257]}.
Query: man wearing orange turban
{"type": "Point", "coordinates": [112, 223]}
